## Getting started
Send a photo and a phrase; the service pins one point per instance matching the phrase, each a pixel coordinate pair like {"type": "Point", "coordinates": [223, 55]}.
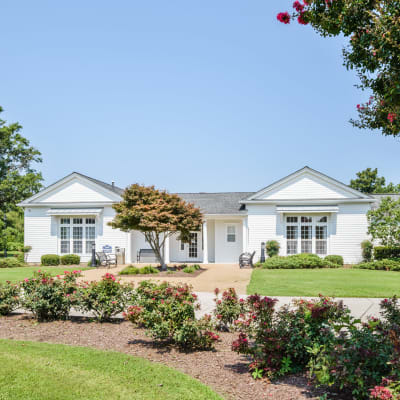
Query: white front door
{"type": "Point", "coordinates": [191, 252]}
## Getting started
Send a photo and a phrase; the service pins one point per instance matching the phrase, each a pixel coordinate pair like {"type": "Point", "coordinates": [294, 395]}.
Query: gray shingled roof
{"type": "Point", "coordinates": [379, 198]}
{"type": "Point", "coordinates": [105, 185]}
{"type": "Point", "coordinates": [217, 203]}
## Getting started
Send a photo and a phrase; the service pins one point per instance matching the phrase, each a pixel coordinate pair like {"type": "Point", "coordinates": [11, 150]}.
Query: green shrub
{"type": "Point", "coordinates": [277, 341]}
{"type": "Point", "coordinates": [167, 312]}
{"type": "Point", "coordinates": [189, 269]}
{"type": "Point", "coordinates": [386, 252]}
{"type": "Point", "coordinates": [11, 262]}
{"type": "Point", "coordinates": [367, 247]}
{"type": "Point", "coordinates": [335, 259]}
{"type": "Point", "coordinates": [297, 261]}
{"type": "Point", "coordinates": [148, 269]}
{"type": "Point", "coordinates": [383, 265]}
{"type": "Point", "coordinates": [272, 247]}
{"type": "Point", "coordinates": [50, 260]}
{"type": "Point", "coordinates": [104, 299]}
{"type": "Point", "coordinates": [196, 267]}
{"type": "Point", "coordinates": [130, 270]}
{"type": "Point", "coordinates": [70, 259]}
{"type": "Point", "coordinates": [49, 298]}
{"type": "Point", "coordinates": [9, 297]}
{"type": "Point", "coordinates": [228, 309]}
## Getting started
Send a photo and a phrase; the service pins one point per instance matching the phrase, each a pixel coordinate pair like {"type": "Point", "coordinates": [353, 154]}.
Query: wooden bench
{"type": "Point", "coordinates": [146, 256]}
{"type": "Point", "coordinates": [246, 259]}
{"type": "Point", "coordinates": [106, 259]}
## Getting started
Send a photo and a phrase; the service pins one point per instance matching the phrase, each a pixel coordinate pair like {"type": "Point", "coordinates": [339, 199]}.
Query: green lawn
{"type": "Point", "coordinates": [42, 371]}
{"type": "Point", "coordinates": [18, 274]}
{"type": "Point", "coordinates": [339, 282]}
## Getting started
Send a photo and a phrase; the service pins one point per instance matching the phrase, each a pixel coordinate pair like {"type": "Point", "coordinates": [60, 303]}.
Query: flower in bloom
{"type": "Point", "coordinates": [381, 393]}
{"type": "Point", "coordinates": [283, 17]}
{"type": "Point", "coordinates": [391, 117]}
{"type": "Point", "coordinates": [298, 6]}
{"type": "Point", "coordinates": [301, 20]}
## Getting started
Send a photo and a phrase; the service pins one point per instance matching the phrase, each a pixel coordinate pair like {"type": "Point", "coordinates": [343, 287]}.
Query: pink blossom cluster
{"type": "Point", "coordinates": [391, 117]}
{"type": "Point", "coordinates": [381, 393]}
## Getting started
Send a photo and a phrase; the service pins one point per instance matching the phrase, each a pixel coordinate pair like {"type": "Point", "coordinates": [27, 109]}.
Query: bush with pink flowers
{"type": "Point", "coordinates": [9, 297]}
{"type": "Point", "coordinates": [278, 340]}
{"type": "Point", "coordinates": [228, 309]}
{"type": "Point", "coordinates": [49, 298]}
{"type": "Point", "coordinates": [106, 298]}
{"type": "Point", "coordinates": [167, 312]}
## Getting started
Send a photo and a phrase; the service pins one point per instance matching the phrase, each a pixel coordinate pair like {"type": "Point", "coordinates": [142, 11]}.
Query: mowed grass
{"type": "Point", "coordinates": [18, 274]}
{"type": "Point", "coordinates": [42, 371]}
{"type": "Point", "coordinates": [341, 282]}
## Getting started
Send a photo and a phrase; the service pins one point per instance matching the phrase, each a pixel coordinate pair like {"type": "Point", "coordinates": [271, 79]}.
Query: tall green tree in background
{"type": "Point", "coordinates": [18, 179]}
{"type": "Point", "coordinates": [373, 51]}
{"type": "Point", "coordinates": [368, 181]}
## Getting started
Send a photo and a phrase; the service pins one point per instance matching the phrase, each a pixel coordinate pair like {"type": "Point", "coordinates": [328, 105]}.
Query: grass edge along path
{"type": "Point", "coordinates": [18, 274]}
{"type": "Point", "coordinates": [43, 371]}
{"type": "Point", "coordinates": [340, 282]}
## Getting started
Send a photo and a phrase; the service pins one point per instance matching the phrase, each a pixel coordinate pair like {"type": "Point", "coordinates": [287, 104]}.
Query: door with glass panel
{"type": "Point", "coordinates": [191, 251]}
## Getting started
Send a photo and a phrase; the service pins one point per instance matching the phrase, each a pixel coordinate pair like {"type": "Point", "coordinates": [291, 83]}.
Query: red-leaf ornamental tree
{"type": "Point", "coordinates": [158, 215]}
{"type": "Point", "coordinates": [373, 51]}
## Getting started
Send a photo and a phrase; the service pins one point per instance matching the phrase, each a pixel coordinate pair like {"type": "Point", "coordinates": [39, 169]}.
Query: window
{"type": "Point", "coordinates": [182, 246]}
{"type": "Point", "coordinates": [193, 245]}
{"type": "Point", "coordinates": [231, 233]}
{"type": "Point", "coordinates": [307, 234]}
{"type": "Point", "coordinates": [77, 235]}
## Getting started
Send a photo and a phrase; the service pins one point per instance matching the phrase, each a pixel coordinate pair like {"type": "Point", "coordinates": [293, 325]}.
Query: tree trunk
{"type": "Point", "coordinates": [157, 248]}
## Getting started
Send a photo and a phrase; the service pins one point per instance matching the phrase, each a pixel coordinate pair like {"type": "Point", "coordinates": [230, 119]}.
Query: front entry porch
{"type": "Point", "coordinates": [221, 240]}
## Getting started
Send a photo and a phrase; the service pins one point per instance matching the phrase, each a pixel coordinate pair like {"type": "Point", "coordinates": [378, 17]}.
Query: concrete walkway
{"type": "Point", "coordinates": [215, 275]}
{"type": "Point", "coordinates": [361, 308]}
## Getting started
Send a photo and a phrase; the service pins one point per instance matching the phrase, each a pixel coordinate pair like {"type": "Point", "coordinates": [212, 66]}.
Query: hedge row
{"type": "Point", "coordinates": [54, 259]}
{"type": "Point", "coordinates": [383, 265]}
{"type": "Point", "coordinates": [298, 261]}
{"type": "Point", "coordinates": [386, 252]}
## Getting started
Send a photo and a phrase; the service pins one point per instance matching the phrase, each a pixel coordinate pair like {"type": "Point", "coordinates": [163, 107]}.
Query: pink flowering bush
{"type": "Point", "coordinates": [106, 298]}
{"type": "Point", "coordinates": [9, 297]}
{"type": "Point", "coordinates": [167, 312]}
{"type": "Point", "coordinates": [228, 308]}
{"type": "Point", "coordinates": [49, 298]}
{"type": "Point", "coordinates": [278, 341]}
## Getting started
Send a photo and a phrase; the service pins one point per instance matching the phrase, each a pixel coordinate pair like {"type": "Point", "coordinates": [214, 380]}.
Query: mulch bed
{"type": "Point", "coordinates": [223, 370]}
{"type": "Point", "coordinates": [175, 274]}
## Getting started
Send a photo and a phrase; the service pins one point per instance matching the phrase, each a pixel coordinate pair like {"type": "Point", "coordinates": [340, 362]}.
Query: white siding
{"type": "Point", "coordinates": [227, 252]}
{"type": "Point", "coordinates": [348, 229]}
{"type": "Point", "coordinates": [263, 225]}
{"type": "Point", "coordinates": [306, 187]}
{"type": "Point", "coordinates": [40, 233]}
{"type": "Point", "coordinates": [75, 191]}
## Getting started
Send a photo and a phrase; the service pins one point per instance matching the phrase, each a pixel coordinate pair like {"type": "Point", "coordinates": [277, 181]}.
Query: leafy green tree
{"type": "Point", "coordinates": [158, 215]}
{"type": "Point", "coordinates": [368, 181]}
{"type": "Point", "coordinates": [18, 178]}
{"type": "Point", "coordinates": [384, 222]}
{"type": "Point", "coordinates": [373, 51]}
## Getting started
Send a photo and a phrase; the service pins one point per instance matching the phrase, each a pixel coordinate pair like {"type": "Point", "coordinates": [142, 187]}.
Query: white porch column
{"type": "Point", "coordinates": [166, 250]}
{"type": "Point", "coordinates": [205, 243]}
{"type": "Point", "coordinates": [128, 250]}
{"type": "Point", "coordinates": [245, 235]}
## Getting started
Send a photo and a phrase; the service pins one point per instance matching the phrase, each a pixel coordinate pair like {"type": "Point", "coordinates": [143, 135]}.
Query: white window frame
{"type": "Point", "coordinates": [235, 225]}
{"type": "Point", "coordinates": [314, 223]}
{"type": "Point", "coordinates": [72, 224]}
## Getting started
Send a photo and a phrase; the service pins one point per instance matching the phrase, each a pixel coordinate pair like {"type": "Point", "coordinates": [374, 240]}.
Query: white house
{"type": "Point", "coordinates": [306, 211]}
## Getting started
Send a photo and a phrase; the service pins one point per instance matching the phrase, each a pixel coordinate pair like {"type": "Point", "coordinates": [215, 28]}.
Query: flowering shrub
{"type": "Point", "coordinates": [390, 311]}
{"type": "Point", "coordinates": [168, 313]}
{"type": "Point", "coordinates": [49, 298]}
{"type": "Point", "coordinates": [277, 341]}
{"type": "Point", "coordinates": [9, 297]}
{"type": "Point", "coordinates": [104, 299]}
{"type": "Point", "coordinates": [228, 309]}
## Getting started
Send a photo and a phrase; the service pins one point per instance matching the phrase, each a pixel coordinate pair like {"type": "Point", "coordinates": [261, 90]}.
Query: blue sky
{"type": "Point", "coordinates": [188, 96]}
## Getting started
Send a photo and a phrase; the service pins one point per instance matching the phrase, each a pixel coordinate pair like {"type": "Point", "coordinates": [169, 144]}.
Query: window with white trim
{"type": "Point", "coordinates": [307, 234]}
{"type": "Point", "coordinates": [231, 233]}
{"type": "Point", "coordinates": [77, 235]}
